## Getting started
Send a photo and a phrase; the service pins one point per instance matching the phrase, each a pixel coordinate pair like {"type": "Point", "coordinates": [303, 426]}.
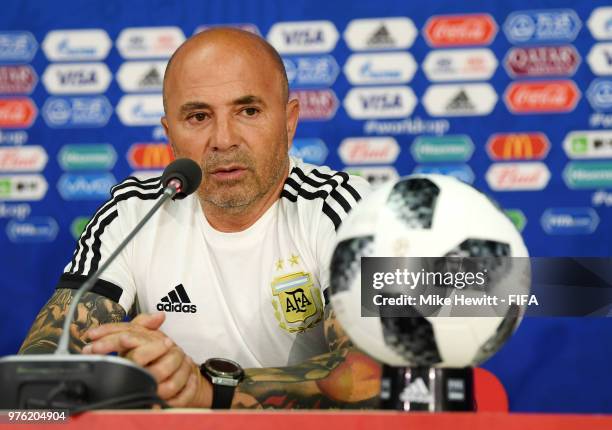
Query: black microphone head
{"type": "Point", "coordinates": [187, 172]}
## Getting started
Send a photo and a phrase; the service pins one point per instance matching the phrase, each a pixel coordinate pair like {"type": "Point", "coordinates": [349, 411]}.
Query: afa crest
{"type": "Point", "coordinates": [297, 302]}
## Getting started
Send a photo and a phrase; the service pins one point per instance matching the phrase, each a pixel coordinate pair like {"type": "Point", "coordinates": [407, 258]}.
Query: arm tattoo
{"type": "Point", "coordinates": [342, 378]}
{"type": "Point", "coordinates": [92, 311]}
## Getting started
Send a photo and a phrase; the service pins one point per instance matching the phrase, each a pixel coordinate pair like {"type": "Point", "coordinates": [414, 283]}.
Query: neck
{"type": "Point", "coordinates": [238, 219]}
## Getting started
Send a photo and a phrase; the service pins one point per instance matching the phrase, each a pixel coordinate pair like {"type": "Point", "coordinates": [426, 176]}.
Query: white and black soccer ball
{"type": "Point", "coordinates": [428, 216]}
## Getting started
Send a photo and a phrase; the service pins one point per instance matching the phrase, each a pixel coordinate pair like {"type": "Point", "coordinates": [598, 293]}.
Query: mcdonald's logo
{"type": "Point", "coordinates": [518, 146]}
{"type": "Point", "coordinates": [149, 155]}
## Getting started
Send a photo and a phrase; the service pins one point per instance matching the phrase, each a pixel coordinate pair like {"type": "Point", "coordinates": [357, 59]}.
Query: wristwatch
{"type": "Point", "coordinates": [224, 375]}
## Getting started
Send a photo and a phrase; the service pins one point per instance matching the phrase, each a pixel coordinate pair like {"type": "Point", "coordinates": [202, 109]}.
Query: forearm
{"type": "Point", "coordinates": [92, 311]}
{"type": "Point", "coordinates": [346, 378]}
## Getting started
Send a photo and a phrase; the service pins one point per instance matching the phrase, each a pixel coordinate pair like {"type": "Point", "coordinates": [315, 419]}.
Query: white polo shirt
{"type": "Point", "coordinates": [253, 296]}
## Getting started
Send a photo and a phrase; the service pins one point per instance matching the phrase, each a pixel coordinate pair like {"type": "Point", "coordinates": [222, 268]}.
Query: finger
{"type": "Point", "coordinates": [148, 321]}
{"type": "Point", "coordinates": [185, 397]}
{"type": "Point", "coordinates": [113, 343]}
{"type": "Point", "coordinates": [167, 364]}
{"type": "Point", "coordinates": [106, 329]}
{"type": "Point", "coordinates": [147, 352]}
{"type": "Point", "coordinates": [151, 321]}
{"type": "Point", "coordinates": [175, 383]}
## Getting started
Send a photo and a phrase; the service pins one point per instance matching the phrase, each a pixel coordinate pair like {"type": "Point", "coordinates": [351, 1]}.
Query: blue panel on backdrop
{"type": "Point", "coordinates": [514, 96]}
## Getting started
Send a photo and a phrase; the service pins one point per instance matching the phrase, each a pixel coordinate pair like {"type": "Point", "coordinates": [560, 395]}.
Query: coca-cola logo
{"type": "Point", "coordinates": [547, 96]}
{"type": "Point", "coordinates": [17, 112]}
{"type": "Point", "coordinates": [527, 176]}
{"type": "Point", "coordinates": [542, 61]}
{"type": "Point", "coordinates": [460, 30]}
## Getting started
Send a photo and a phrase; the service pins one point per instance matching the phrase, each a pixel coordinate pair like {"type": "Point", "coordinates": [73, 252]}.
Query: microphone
{"type": "Point", "coordinates": [76, 381]}
{"type": "Point", "coordinates": [184, 172]}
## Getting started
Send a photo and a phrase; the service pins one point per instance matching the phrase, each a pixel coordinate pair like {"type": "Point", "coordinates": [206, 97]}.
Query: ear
{"type": "Point", "coordinates": [164, 123]}
{"type": "Point", "coordinates": [293, 112]}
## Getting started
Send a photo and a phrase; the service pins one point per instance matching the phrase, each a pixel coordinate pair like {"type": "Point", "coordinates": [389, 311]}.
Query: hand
{"type": "Point", "coordinates": [179, 381]}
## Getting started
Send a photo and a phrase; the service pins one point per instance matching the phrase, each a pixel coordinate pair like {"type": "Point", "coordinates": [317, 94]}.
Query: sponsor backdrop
{"type": "Point", "coordinates": [514, 97]}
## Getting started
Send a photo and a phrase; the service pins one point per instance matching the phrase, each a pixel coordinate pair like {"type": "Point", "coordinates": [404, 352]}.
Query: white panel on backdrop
{"type": "Point", "coordinates": [380, 33]}
{"type": "Point", "coordinates": [301, 37]}
{"type": "Point", "coordinates": [77, 45]}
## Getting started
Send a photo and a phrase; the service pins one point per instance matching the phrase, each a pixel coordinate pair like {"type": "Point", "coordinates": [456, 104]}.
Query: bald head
{"type": "Point", "coordinates": [234, 42]}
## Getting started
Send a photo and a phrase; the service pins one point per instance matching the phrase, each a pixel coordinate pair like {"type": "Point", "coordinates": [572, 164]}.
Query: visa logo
{"type": "Point", "coordinates": [381, 102]}
{"type": "Point", "coordinates": [303, 37]}
{"type": "Point", "coordinates": [77, 77]}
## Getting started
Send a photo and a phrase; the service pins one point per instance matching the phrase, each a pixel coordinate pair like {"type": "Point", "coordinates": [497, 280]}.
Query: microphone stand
{"type": "Point", "coordinates": [170, 191]}
{"type": "Point", "coordinates": [76, 382]}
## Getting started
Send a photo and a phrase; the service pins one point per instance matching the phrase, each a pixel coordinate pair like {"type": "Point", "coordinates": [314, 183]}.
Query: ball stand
{"type": "Point", "coordinates": [427, 389]}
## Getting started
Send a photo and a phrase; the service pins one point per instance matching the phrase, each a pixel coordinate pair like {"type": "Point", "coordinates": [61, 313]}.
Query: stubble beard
{"type": "Point", "coordinates": [235, 197]}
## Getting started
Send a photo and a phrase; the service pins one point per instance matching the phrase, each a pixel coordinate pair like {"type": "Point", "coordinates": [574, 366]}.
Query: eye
{"type": "Point", "coordinates": [250, 111]}
{"type": "Point", "coordinates": [198, 117]}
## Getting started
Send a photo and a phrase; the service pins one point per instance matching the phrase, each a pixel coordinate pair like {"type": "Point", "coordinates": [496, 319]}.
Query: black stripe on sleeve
{"type": "Point", "coordinates": [102, 225]}
{"type": "Point", "coordinates": [101, 287]}
{"type": "Point", "coordinates": [344, 183]}
{"type": "Point", "coordinates": [333, 193]}
{"type": "Point", "coordinates": [97, 243]}
{"type": "Point", "coordinates": [333, 216]}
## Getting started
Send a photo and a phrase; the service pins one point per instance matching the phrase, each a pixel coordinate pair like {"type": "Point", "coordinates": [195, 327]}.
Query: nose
{"type": "Point", "coordinates": [223, 136]}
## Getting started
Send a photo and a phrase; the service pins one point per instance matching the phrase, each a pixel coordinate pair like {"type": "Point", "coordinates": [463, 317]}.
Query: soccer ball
{"type": "Point", "coordinates": [442, 218]}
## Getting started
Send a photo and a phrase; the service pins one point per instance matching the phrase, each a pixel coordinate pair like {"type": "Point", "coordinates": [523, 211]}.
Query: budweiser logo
{"type": "Point", "coordinates": [24, 159]}
{"type": "Point", "coordinates": [518, 176]}
{"type": "Point", "coordinates": [368, 151]}
{"type": "Point", "coordinates": [552, 96]}
{"type": "Point", "coordinates": [456, 30]}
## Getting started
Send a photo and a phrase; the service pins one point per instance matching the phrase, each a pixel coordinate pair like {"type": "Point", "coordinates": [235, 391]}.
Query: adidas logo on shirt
{"type": "Point", "coordinates": [177, 300]}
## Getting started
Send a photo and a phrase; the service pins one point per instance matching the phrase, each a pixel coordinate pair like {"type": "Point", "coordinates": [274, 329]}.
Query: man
{"type": "Point", "coordinates": [238, 271]}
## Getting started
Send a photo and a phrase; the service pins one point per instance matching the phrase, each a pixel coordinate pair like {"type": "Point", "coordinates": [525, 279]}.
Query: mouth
{"type": "Point", "coordinates": [229, 172]}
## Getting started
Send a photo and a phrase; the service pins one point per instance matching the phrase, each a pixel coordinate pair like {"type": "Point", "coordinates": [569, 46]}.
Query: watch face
{"type": "Point", "coordinates": [223, 367]}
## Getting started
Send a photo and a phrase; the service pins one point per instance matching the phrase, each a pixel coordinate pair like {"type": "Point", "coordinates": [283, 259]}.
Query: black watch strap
{"type": "Point", "coordinates": [224, 375]}
{"type": "Point", "coordinates": [222, 396]}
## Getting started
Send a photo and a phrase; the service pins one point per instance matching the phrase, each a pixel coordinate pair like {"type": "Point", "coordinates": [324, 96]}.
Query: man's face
{"type": "Point", "coordinates": [226, 111]}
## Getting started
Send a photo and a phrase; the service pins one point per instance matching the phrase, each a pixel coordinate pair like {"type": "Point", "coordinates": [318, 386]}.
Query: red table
{"type": "Point", "coordinates": [315, 420]}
